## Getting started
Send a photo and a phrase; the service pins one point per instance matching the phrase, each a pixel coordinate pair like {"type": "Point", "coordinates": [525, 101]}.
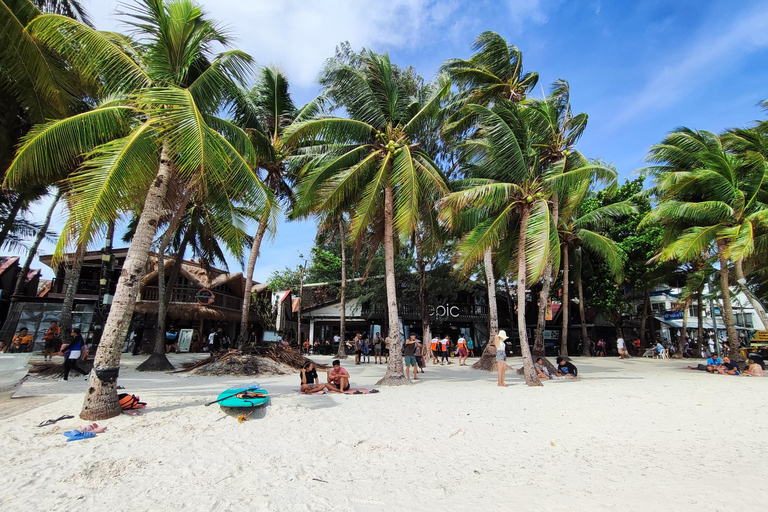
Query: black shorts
{"type": "Point", "coordinates": [358, 352]}
{"type": "Point", "coordinates": [170, 342]}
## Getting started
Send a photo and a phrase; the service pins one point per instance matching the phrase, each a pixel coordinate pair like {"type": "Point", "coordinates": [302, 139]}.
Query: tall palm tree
{"type": "Point", "coordinates": [493, 73]}
{"type": "Point", "coordinates": [265, 112]}
{"type": "Point", "coordinates": [556, 130]}
{"type": "Point", "coordinates": [371, 163]}
{"type": "Point", "coordinates": [159, 123]}
{"type": "Point", "coordinates": [709, 198]}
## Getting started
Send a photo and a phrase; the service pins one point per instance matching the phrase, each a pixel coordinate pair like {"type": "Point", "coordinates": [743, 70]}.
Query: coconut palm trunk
{"type": "Point", "coordinates": [158, 361]}
{"type": "Point", "coordinates": [245, 311]}
{"type": "Point", "coordinates": [101, 400]}
{"type": "Point", "coordinates": [546, 285]}
{"type": "Point", "coordinates": [700, 317]}
{"type": "Point", "coordinates": [394, 375]}
{"type": "Point", "coordinates": [487, 360]}
{"type": "Point", "coordinates": [582, 316]}
{"type": "Point", "coordinates": [725, 293]}
{"type": "Point", "coordinates": [741, 282]}
{"type": "Point", "coordinates": [341, 352]}
{"type": "Point", "coordinates": [566, 301]}
{"type": "Point", "coordinates": [528, 372]}
{"type": "Point", "coordinates": [421, 265]}
{"type": "Point", "coordinates": [8, 223]}
{"type": "Point", "coordinates": [644, 318]}
{"type": "Point", "coordinates": [73, 279]}
{"type": "Point", "coordinates": [681, 338]}
{"type": "Point", "coordinates": [22, 277]}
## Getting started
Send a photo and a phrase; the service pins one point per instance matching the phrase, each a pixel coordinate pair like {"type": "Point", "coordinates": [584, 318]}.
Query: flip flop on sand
{"type": "Point", "coordinates": [51, 422]}
{"type": "Point", "coordinates": [76, 435]}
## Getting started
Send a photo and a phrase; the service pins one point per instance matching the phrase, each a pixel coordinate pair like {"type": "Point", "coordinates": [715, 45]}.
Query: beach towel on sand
{"type": "Point", "coordinates": [350, 391]}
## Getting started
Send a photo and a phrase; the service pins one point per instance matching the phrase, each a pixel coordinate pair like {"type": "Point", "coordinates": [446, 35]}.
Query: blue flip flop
{"type": "Point", "coordinates": [76, 435]}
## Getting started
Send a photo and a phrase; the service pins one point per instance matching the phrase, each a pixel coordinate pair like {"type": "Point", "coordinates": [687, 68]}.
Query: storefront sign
{"type": "Point", "coordinates": [673, 315]}
{"type": "Point", "coordinates": [205, 297]}
{"type": "Point", "coordinates": [444, 310]}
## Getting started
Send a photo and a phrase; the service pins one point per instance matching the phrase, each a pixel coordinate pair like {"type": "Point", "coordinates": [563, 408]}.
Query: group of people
{"type": "Point", "coordinates": [73, 350]}
{"type": "Point", "coordinates": [337, 379]}
{"type": "Point", "coordinates": [755, 366]}
{"type": "Point", "coordinates": [442, 347]}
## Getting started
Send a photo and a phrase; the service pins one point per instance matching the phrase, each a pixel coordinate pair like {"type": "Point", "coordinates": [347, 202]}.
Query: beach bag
{"type": "Point", "coordinates": [128, 402]}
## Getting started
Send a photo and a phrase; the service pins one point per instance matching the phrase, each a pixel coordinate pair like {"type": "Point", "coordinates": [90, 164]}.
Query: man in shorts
{"type": "Point", "coordinates": [52, 340]}
{"type": "Point", "coordinates": [338, 378]}
{"type": "Point", "coordinates": [462, 350]}
{"type": "Point", "coordinates": [378, 344]}
{"type": "Point", "coordinates": [622, 347]}
{"type": "Point", "coordinates": [409, 356]}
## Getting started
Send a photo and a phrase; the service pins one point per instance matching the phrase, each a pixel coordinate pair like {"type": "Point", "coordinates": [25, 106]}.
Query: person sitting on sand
{"type": "Point", "coordinates": [754, 370]}
{"type": "Point", "coordinates": [728, 367]}
{"type": "Point", "coordinates": [338, 378]}
{"type": "Point", "coordinates": [309, 380]}
{"type": "Point", "coordinates": [566, 368]}
{"type": "Point", "coordinates": [713, 362]}
{"type": "Point", "coordinates": [541, 370]}
{"type": "Point", "coordinates": [3, 347]}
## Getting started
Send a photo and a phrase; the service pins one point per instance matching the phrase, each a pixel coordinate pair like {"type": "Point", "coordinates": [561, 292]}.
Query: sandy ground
{"type": "Point", "coordinates": [628, 435]}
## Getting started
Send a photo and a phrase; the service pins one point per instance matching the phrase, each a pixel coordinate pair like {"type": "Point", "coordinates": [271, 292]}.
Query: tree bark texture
{"type": "Point", "coordinates": [394, 375]}
{"type": "Point", "coordinates": [566, 303]}
{"type": "Point", "coordinates": [341, 352]}
{"type": "Point", "coordinates": [528, 372]}
{"type": "Point", "coordinates": [101, 400]}
{"type": "Point", "coordinates": [487, 360]}
{"type": "Point", "coordinates": [22, 277]}
{"type": "Point", "coordinates": [73, 279]}
{"type": "Point", "coordinates": [700, 315]}
{"type": "Point", "coordinates": [421, 265]}
{"type": "Point", "coordinates": [725, 293]}
{"type": "Point", "coordinates": [644, 318]}
{"type": "Point", "coordinates": [245, 311]}
{"type": "Point", "coordinates": [681, 338]}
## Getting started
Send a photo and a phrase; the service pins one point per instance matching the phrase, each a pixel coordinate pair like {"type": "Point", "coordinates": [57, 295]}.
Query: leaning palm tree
{"type": "Point", "coordinates": [493, 73]}
{"type": "Point", "coordinates": [709, 198]}
{"type": "Point", "coordinates": [371, 163]}
{"type": "Point", "coordinates": [265, 112]}
{"type": "Point", "coordinates": [158, 123]}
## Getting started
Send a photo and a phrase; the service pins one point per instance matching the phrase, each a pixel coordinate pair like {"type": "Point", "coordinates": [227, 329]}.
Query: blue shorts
{"type": "Point", "coordinates": [410, 360]}
{"type": "Point", "coordinates": [501, 355]}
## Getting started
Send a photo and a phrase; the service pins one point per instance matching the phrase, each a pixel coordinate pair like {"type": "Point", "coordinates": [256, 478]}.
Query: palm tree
{"type": "Point", "coordinates": [265, 112]}
{"type": "Point", "coordinates": [556, 130]}
{"type": "Point", "coordinates": [709, 199]}
{"type": "Point", "coordinates": [22, 277]}
{"type": "Point", "coordinates": [371, 163]}
{"type": "Point", "coordinates": [158, 124]}
{"type": "Point", "coordinates": [580, 238]}
{"type": "Point", "coordinates": [493, 73]}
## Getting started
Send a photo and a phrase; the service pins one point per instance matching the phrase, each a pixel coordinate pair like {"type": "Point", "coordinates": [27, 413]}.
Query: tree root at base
{"type": "Point", "coordinates": [156, 363]}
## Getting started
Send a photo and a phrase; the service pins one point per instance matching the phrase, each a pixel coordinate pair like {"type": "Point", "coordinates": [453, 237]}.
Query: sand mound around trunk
{"type": "Point", "coordinates": [238, 364]}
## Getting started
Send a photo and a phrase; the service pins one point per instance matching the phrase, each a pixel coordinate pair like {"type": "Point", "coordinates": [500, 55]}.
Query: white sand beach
{"type": "Point", "coordinates": [628, 435]}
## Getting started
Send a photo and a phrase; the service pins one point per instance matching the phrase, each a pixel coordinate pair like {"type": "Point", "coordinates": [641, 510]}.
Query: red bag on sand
{"type": "Point", "coordinates": [128, 402]}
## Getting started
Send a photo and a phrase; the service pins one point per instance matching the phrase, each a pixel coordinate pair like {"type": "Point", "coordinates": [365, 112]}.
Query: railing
{"type": "Point", "coordinates": [186, 294]}
{"type": "Point", "coordinates": [440, 311]}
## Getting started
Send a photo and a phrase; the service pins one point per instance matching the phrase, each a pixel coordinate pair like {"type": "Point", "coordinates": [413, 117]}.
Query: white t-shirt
{"type": "Point", "coordinates": [501, 345]}
{"type": "Point", "coordinates": [336, 339]}
{"type": "Point", "coordinates": [462, 342]}
{"type": "Point", "coordinates": [210, 338]}
{"type": "Point", "coordinates": [444, 342]}
{"type": "Point", "coordinates": [620, 343]}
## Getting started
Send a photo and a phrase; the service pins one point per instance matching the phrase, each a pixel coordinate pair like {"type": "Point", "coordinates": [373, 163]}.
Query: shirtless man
{"type": "Point", "coordinates": [338, 378]}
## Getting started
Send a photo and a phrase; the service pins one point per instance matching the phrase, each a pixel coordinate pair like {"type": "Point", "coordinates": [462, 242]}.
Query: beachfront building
{"type": "Point", "coordinates": [9, 273]}
{"type": "Point", "coordinates": [667, 316]}
{"type": "Point", "coordinates": [203, 299]}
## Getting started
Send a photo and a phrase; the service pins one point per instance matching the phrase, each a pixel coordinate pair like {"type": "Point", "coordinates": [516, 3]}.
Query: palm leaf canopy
{"type": "Point", "coordinates": [352, 160]}
{"type": "Point", "coordinates": [167, 103]}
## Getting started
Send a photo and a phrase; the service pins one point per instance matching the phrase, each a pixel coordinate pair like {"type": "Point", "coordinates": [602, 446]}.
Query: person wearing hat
{"type": "Point", "coordinates": [501, 357]}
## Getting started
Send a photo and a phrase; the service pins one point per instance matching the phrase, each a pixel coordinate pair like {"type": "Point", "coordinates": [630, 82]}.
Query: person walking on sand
{"type": "Point", "coordinates": [409, 356]}
{"type": "Point", "coordinates": [72, 352]}
{"type": "Point", "coordinates": [434, 349]}
{"type": "Point", "coordinates": [470, 347]}
{"type": "Point", "coordinates": [444, 344]}
{"type": "Point", "coordinates": [501, 357]}
{"type": "Point", "coordinates": [622, 347]}
{"type": "Point", "coordinates": [463, 354]}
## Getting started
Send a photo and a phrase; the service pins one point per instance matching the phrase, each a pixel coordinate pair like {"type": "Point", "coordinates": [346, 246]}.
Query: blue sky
{"type": "Point", "coordinates": [638, 68]}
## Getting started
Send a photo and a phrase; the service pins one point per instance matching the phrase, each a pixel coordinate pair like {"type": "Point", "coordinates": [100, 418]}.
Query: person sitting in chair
{"type": "Point", "coordinates": [22, 341]}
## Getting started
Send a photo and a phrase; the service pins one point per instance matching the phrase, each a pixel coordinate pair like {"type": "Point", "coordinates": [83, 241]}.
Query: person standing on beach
{"type": "Point", "coordinates": [622, 347]}
{"type": "Point", "coordinates": [434, 349]}
{"type": "Point", "coordinates": [358, 344]}
{"type": "Point", "coordinates": [501, 357]}
{"type": "Point", "coordinates": [470, 347]}
{"type": "Point", "coordinates": [138, 339]}
{"type": "Point", "coordinates": [52, 338]}
{"type": "Point", "coordinates": [378, 345]}
{"type": "Point", "coordinates": [409, 356]}
{"type": "Point", "coordinates": [462, 350]}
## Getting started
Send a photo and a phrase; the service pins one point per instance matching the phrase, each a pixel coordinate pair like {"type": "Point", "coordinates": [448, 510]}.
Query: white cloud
{"type": "Point", "coordinates": [701, 61]}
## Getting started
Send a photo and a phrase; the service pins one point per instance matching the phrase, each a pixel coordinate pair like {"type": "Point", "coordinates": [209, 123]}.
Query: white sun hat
{"type": "Point", "coordinates": [503, 335]}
